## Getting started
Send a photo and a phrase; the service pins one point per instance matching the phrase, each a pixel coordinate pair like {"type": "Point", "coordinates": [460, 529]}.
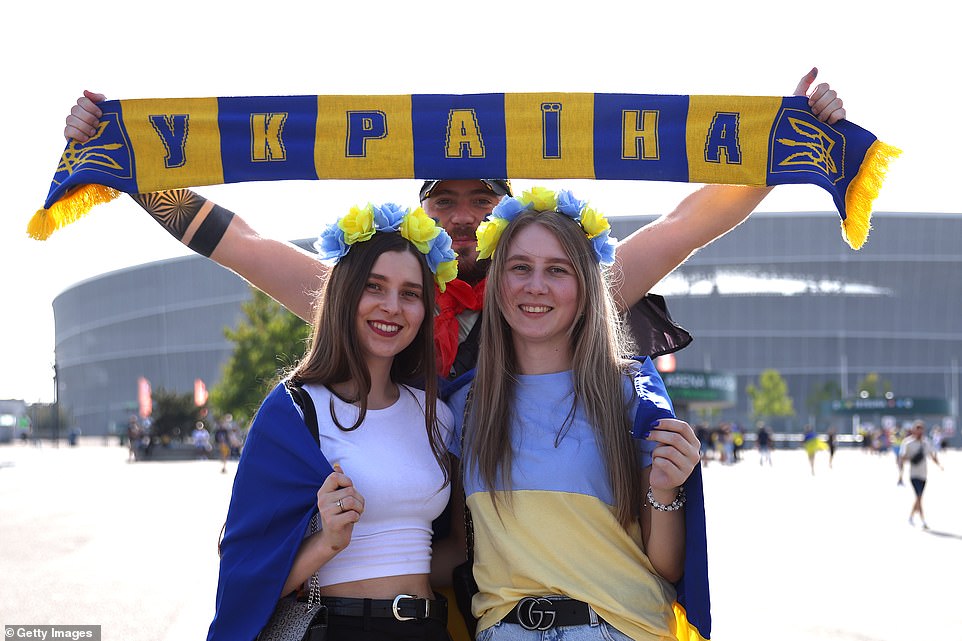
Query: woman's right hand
{"type": "Point", "coordinates": [339, 506]}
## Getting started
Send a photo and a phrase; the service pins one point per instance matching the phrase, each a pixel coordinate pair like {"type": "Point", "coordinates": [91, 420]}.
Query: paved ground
{"type": "Point", "coordinates": [86, 538]}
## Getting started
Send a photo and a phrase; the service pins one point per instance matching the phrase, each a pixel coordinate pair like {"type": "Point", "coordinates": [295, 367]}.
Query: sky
{"type": "Point", "coordinates": [890, 66]}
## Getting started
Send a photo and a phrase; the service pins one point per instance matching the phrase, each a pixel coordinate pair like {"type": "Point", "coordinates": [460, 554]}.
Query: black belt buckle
{"type": "Point", "coordinates": [536, 613]}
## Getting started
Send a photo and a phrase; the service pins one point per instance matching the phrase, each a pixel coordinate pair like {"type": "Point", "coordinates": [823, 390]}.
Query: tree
{"type": "Point", "coordinates": [45, 420]}
{"type": "Point", "coordinates": [828, 391]}
{"type": "Point", "coordinates": [770, 398]}
{"type": "Point", "coordinates": [268, 340]}
{"type": "Point", "coordinates": [173, 415]}
{"type": "Point", "coordinates": [873, 386]}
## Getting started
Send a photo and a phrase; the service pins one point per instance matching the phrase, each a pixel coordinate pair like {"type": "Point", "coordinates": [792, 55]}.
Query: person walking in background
{"type": "Point", "coordinates": [201, 440]}
{"type": "Point", "coordinates": [938, 438]}
{"type": "Point", "coordinates": [764, 440]}
{"type": "Point", "coordinates": [916, 450]}
{"type": "Point", "coordinates": [738, 442]}
{"type": "Point", "coordinates": [832, 442]}
{"type": "Point", "coordinates": [222, 441]}
{"type": "Point", "coordinates": [811, 443]}
{"type": "Point", "coordinates": [134, 435]}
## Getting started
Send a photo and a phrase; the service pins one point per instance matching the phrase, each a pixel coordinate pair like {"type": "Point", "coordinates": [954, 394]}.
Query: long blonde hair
{"type": "Point", "coordinates": [600, 343]}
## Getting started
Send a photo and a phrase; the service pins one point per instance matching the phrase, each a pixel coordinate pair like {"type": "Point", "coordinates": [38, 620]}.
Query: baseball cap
{"type": "Point", "coordinates": [497, 186]}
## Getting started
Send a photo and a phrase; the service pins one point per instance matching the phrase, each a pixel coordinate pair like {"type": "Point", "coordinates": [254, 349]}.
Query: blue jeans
{"type": "Point", "coordinates": [597, 630]}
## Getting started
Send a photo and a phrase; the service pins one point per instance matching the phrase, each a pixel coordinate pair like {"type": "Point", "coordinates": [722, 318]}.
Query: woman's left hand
{"type": "Point", "coordinates": [675, 456]}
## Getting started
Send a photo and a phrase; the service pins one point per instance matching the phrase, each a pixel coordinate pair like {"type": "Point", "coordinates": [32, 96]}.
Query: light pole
{"type": "Point", "coordinates": [56, 406]}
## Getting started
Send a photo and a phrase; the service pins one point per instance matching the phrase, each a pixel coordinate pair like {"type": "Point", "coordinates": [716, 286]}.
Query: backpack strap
{"type": "Point", "coordinates": [304, 401]}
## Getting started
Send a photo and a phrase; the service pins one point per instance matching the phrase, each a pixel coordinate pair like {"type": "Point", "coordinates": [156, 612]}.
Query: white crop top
{"type": "Point", "coordinates": [390, 461]}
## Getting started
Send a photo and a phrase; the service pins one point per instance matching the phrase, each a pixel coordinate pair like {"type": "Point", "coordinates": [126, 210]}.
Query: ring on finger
{"type": "Point", "coordinates": [339, 506]}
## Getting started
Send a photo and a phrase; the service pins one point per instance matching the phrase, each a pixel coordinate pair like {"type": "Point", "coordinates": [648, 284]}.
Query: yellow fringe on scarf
{"type": "Point", "coordinates": [863, 191]}
{"type": "Point", "coordinates": [69, 209]}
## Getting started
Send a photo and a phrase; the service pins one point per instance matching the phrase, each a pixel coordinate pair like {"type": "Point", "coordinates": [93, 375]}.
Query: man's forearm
{"type": "Point", "coordinates": [283, 271]}
{"type": "Point", "coordinates": [190, 218]}
{"type": "Point", "coordinates": [655, 250]}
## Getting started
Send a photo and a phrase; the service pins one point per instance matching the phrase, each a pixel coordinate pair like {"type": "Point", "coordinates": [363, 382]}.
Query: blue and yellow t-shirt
{"type": "Point", "coordinates": [556, 533]}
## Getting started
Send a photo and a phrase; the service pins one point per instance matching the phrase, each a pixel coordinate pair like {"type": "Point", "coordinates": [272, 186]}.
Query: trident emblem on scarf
{"type": "Point", "coordinates": [803, 144]}
{"type": "Point", "coordinates": [91, 155]}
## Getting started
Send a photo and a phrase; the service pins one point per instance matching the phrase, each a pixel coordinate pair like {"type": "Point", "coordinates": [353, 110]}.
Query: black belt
{"type": "Point", "coordinates": [539, 613]}
{"type": "Point", "coordinates": [402, 607]}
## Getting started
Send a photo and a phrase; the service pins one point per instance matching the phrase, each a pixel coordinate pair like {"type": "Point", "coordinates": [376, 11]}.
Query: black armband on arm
{"type": "Point", "coordinates": [211, 230]}
{"type": "Point", "coordinates": [175, 211]}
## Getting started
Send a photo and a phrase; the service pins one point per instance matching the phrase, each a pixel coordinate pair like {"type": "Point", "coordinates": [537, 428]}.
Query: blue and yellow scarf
{"type": "Point", "coordinates": [156, 144]}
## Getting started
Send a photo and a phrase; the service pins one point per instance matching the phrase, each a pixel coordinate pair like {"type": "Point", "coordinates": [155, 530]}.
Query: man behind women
{"type": "Point", "coordinates": [290, 275]}
{"type": "Point", "coordinates": [379, 477]}
{"type": "Point", "coordinates": [556, 485]}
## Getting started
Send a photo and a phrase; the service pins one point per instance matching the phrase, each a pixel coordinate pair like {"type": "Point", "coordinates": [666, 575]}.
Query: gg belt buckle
{"type": "Point", "coordinates": [397, 613]}
{"type": "Point", "coordinates": [536, 613]}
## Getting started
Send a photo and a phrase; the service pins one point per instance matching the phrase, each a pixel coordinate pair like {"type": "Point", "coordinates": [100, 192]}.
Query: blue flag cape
{"type": "Point", "coordinates": [693, 601]}
{"type": "Point", "coordinates": [273, 500]}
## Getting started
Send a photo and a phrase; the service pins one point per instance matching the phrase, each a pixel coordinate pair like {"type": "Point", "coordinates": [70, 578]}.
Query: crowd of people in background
{"type": "Point", "coordinates": [725, 441]}
{"type": "Point", "coordinates": [221, 437]}
{"type": "Point", "coordinates": [888, 439]}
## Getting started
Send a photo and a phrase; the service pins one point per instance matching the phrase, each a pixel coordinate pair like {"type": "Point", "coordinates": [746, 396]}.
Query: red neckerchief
{"type": "Point", "coordinates": [457, 297]}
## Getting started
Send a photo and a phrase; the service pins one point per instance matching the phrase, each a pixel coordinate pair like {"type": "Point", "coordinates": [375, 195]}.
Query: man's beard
{"type": "Point", "coordinates": [471, 270]}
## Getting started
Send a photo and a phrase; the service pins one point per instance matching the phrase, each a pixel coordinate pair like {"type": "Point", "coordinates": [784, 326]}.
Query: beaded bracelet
{"type": "Point", "coordinates": [671, 507]}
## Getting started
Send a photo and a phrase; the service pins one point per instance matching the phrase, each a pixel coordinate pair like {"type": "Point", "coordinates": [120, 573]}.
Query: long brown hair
{"type": "Point", "coordinates": [599, 341]}
{"type": "Point", "coordinates": [334, 354]}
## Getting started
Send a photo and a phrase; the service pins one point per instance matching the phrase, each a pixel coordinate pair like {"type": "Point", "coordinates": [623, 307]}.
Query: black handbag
{"type": "Point", "coordinates": [919, 456]}
{"type": "Point", "coordinates": [295, 620]}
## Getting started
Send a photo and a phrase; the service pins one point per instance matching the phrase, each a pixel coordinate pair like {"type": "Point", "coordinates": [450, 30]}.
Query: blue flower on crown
{"type": "Point", "coordinates": [604, 246]}
{"type": "Point", "coordinates": [388, 217]}
{"type": "Point", "coordinates": [330, 244]}
{"type": "Point", "coordinates": [361, 223]}
{"type": "Point", "coordinates": [508, 208]}
{"type": "Point", "coordinates": [595, 225]}
{"type": "Point", "coordinates": [569, 205]}
{"type": "Point", "coordinates": [440, 252]}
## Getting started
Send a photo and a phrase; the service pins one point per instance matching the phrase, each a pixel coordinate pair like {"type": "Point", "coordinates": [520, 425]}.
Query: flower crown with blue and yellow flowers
{"type": "Point", "coordinates": [359, 224]}
{"type": "Point", "coordinates": [594, 224]}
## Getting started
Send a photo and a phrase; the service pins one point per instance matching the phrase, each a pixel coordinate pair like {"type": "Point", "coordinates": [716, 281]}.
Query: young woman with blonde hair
{"type": "Point", "coordinates": [576, 523]}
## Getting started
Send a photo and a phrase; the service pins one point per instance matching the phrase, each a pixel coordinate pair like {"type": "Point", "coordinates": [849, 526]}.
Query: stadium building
{"type": "Point", "coordinates": [781, 292]}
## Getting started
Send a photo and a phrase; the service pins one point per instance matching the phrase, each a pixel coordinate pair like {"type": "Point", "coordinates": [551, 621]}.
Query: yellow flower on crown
{"type": "Point", "coordinates": [447, 271]}
{"type": "Point", "coordinates": [593, 223]}
{"type": "Point", "coordinates": [420, 229]}
{"type": "Point", "coordinates": [357, 224]}
{"type": "Point", "coordinates": [541, 199]}
{"type": "Point", "coordinates": [488, 234]}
